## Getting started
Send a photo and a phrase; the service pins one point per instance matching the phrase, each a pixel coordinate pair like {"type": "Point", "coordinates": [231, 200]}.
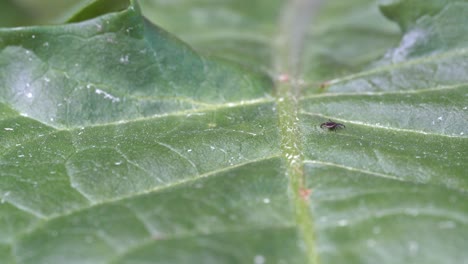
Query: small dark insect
{"type": "Point", "coordinates": [332, 125]}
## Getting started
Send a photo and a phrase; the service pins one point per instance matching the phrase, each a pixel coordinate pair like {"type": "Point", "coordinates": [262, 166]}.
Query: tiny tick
{"type": "Point", "coordinates": [332, 125]}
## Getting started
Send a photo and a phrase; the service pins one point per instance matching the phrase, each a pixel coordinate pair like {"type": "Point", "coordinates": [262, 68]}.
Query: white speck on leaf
{"type": "Point", "coordinates": [343, 222]}
{"type": "Point", "coordinates": [413, 247]}
{"type": "Point", "coordinates": [8, 129]}
{"type": "Point", "coordinates": [124, 59]}
{"type": "Point", "coordinates": [29, 95]}
{"type": "Point", "coordinates": [5, 195]}
{"type": "Point", "coordinates": [440, 118]}
{"type": "Point", "coordinates": [107, 95]}
{"type": "Point", "coordinates": [259, 259]}
{"type": "Point", "coordinates": [266, 200]}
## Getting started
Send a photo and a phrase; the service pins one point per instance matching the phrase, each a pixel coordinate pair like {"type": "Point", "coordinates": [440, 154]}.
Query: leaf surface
{"type": "Point", "coordinates": [122, 144]}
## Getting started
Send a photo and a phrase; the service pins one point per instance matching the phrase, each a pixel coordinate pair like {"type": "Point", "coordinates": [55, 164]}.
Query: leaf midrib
{"type": "Point", "coordinates": [291, 37]}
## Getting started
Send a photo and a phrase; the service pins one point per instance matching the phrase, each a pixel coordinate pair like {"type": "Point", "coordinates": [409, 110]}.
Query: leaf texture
{"type": "Point", "coordinates": [120, 143]}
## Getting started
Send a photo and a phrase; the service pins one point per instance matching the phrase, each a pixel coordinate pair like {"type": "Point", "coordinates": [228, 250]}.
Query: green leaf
{"type": "Point", "coordinates": [32, 12]}
{"type": "Point", "coordinates": [120, 143]}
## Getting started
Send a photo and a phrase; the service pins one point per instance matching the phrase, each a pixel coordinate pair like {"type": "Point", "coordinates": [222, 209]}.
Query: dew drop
{"type": "Point", "coordinates": [266, 200]}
